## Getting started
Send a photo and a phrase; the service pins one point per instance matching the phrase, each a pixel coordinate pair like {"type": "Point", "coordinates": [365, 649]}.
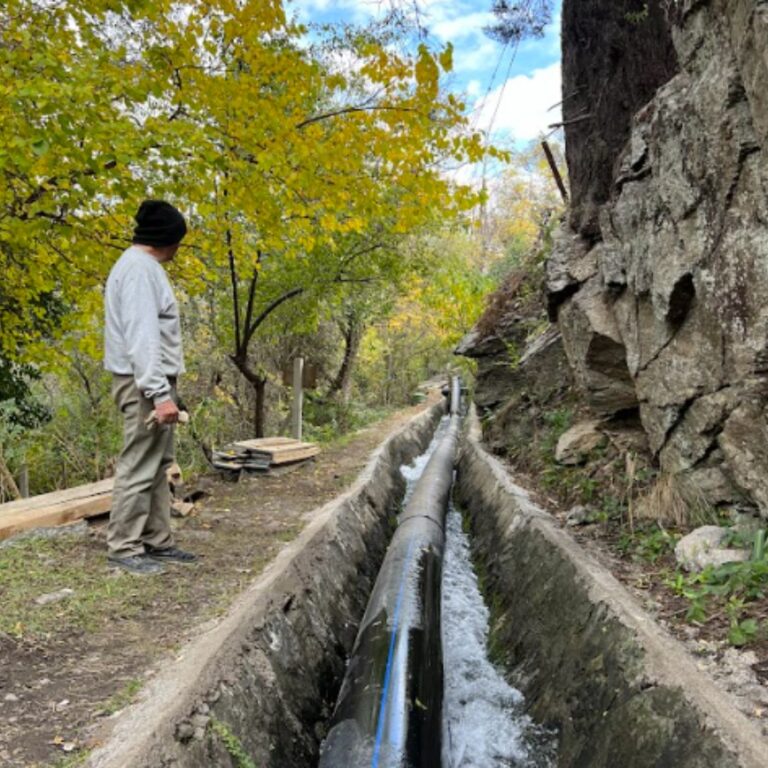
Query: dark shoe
{"type": "Point", "coordinates": [170, 555]}
{"type": "Point", "coordinates": [140, 565]}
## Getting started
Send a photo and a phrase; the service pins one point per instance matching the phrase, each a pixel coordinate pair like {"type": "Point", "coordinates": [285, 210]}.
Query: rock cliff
{"type": "Point", "coordinates": [658, 282]}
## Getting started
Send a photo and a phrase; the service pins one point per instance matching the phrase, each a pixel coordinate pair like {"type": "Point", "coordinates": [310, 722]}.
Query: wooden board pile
{"type": "Point", "coordinates": [268, 454]}
{"type": "Point", "coordinates": [83, 501]}
{"type": "Point", "coordinates": [57, 508]}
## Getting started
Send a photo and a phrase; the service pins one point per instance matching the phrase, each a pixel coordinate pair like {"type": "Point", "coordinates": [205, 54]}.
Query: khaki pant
{"type": "Point", "coordinates": [141, 500]}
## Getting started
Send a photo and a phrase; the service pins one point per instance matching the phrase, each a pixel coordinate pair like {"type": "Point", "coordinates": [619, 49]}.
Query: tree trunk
{"type": "Point", "coordinates": [260, 411]}
{"type": "Point", "coordinates": [342, 384]}
{"type": "Point", "coordinates": [8, 485]}
{"type": "Point", "coordinates": [259, 385]}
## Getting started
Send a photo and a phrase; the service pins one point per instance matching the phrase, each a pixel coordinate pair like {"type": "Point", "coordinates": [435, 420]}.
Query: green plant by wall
{"type": "Point", "coordinates": [733, 589]}
{"type": "Point", "coordinates": [637, 17]}
{"type": "Point", "coordinates": [556, 422]}
{"type": "Point", "coordinates": [232, 744]}
{"type": "Point", "coordinates": [514, 355]}
{"type": "Point", "coordinates": [648, 542]}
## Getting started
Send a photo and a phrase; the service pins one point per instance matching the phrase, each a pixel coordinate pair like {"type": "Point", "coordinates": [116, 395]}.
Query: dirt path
{"type": "Point", "coordinates": [70, 663]}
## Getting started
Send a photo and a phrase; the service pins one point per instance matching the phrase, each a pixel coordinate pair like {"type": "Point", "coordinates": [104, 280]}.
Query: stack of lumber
{"type": "Point", "coordinates": [266, 454]}
{"type": "Point", "coordinates": [57, 508]}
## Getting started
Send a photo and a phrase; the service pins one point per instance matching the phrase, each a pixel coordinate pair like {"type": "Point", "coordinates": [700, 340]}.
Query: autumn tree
{"type": "Point", "coordinates": [299, 169]}
{"type": "Point", "coordinates": [525, 199]}
{"type": "Point", "coordinates": [68, 140]}
{"type": "Point", "coordinates": [282, 148]}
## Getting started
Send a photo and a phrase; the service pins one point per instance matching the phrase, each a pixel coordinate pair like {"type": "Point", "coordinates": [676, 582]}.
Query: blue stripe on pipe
{"type": "Point", "coordinates": [390, 659]}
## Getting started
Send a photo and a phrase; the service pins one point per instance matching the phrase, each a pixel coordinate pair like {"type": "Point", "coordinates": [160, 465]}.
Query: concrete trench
{"type": "Point", "coordinates": [619, 691]}
{"type": "Point", "coordinates": [262, 682]}
{"type": "Point", "coordinates": [258, 688]}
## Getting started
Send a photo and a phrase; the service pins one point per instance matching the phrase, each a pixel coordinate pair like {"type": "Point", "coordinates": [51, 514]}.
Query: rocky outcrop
{"type": "Point", "coordinates": [511, 394]}
{"type": "Point", "coordinates": [662, 307]}
{"type": "Point", "coordinates": [575, 445]}
{"type": "Point", "coordinates": [595, 351]}
{"type": "Point", "coordinates": [522, 369]}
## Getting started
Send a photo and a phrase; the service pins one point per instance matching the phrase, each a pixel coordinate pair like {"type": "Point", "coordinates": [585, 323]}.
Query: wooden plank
{"type": "Point", "coordinates": [275, 471]}
{"type": "Point", "coordinates": [81, 492]}
{"type": "Point", "coordinates": [278, 450]}
{"type": "Point", "coordinates": [296, 445]}
{"type": "Point", "coordinates": [297, 455]}
{"type": "Point", "coordinates": [262, 443]}
{"type": "Point", "coordinates": [57, 514]}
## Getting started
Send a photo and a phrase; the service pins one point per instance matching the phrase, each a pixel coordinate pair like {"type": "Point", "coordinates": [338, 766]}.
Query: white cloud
{"type": "Point", "coordinates": [473, 88]}
{"type": "Point", "coordinates": [476, 58]}
{"type": "Point", "coordinates": [524, 103]}
{"type": "Point", "coordinates": [459, 27]}
{"type": "Point", "coordinates": [446, 19]}
{"type": "Point", "coordinates": [358, 11]}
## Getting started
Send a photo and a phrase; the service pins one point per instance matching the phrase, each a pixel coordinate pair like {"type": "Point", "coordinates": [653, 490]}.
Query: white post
{"type": "Point", "coordinates": [298, 396]}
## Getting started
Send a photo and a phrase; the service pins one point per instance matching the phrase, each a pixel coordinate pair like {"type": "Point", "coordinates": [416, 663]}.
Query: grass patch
{"type": "Point", "coordinates": [336, 424]}
{"type": "Point", "coordinates": [124, 697]}
{"type": "Point", "coordinates": [674, 500]}
{"type": "Point", "coordinates": [288, 534]}
{"type": "Point", "coordinates": [37, 566]}
{"type": "Point", "coordinates": [73, 760]}
{"type": "Point", "coordinates": [648, 543]}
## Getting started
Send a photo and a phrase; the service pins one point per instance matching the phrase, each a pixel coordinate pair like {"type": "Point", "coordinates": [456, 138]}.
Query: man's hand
{"type": "Point", "coordinates": [166, 412]}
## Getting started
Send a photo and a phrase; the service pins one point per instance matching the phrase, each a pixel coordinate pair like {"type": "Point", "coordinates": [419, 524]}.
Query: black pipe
{"type": "Point", "coordinates": [389, 710]}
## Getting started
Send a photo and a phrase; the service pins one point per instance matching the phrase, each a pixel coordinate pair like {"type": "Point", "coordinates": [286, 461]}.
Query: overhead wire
{"type": "Point", "coordinates": [495, 113]}
{"type": "Point", "coordinates": [491, 83]}
{"type": "Point", "coordinates": [489, 137]}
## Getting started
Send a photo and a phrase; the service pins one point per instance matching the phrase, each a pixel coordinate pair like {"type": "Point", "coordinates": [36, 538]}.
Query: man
{"type": "Point", "coordinates": [143, 351]}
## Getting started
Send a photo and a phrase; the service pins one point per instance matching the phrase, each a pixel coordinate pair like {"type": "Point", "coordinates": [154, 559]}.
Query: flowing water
{"type": "Point", "coordinates": [484, 724]}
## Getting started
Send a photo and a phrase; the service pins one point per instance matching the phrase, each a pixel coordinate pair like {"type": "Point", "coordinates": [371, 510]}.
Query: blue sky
{"type": "Point", "coordinates": [515, 104]}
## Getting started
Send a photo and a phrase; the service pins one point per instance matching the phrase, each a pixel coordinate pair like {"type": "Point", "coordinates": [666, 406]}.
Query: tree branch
{"type": "Point", "coordinates": [352, 110]}
{"type": "Point", "coordinates": [252, 292]}
{"type": "Point", "coordinates": [55, 180]}
{"type": "Point", "coordinates": [235, 292]}
{"type": "Point", "coordinates": [270, 309]}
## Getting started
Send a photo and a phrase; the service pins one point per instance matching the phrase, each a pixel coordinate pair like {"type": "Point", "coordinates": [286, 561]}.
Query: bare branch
{"type": "Point", "coordinates": [262, 316]}
{"type": "Point", "coordinates": [352, 110]}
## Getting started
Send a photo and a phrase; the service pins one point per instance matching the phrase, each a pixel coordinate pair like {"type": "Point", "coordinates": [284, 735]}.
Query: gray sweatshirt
{"type": "Point", "coordinates": [142, 333]}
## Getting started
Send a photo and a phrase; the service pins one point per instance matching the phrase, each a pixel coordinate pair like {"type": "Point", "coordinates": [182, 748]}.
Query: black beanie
{"type": "Point", "coordinates": [158, 223]}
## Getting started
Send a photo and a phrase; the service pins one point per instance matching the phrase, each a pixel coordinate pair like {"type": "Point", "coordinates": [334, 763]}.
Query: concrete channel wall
{"type": "Point", "coordinates": [620, 691]}
{"type": "Point", "coordinates": [262, 682]}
